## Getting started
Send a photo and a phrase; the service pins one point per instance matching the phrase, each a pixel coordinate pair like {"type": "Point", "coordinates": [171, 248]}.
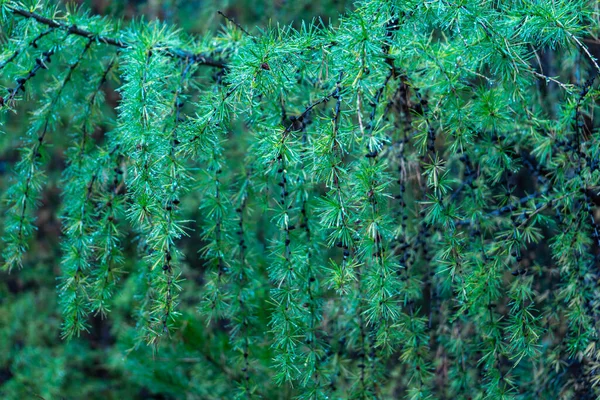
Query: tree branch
{"type": "Point", "coordinates": [198, 58]}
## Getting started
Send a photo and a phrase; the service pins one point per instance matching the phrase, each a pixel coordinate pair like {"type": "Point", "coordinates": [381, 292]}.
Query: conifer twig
{"type": "Point", "coordinates": [198, 58]}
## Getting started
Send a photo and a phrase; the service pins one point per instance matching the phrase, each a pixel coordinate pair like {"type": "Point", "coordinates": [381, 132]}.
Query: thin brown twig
{"type": "Point", "coordinates": [241, 28]}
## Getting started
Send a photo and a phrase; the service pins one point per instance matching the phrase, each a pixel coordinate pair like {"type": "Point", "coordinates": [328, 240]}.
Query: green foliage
{"type": "Point", "coordinates": [398, 203]}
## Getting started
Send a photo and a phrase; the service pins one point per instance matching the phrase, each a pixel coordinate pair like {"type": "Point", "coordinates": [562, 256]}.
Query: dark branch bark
{"type": "Point", "coordinates": [198, 58]}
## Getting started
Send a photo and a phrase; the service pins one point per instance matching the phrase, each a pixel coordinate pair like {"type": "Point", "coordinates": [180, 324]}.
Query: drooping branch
{"type": "Point", "coordinates": [198, 58]}
{"type": "Point", "coordinates": [20, 50]}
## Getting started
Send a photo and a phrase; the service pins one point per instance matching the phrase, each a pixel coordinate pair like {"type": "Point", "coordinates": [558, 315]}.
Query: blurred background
{"type": "Point", "coordinates": [199, 17]}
